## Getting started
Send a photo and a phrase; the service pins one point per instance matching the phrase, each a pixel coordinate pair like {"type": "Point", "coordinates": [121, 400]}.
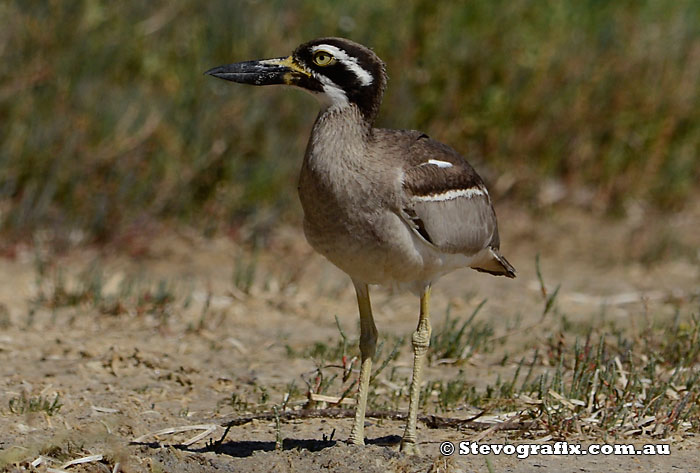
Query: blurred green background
{"type": "Point", "coordinates": [106, 120]}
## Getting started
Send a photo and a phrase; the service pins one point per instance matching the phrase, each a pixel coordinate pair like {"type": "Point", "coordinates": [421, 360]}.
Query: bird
{"type": "Point", "coordinates": [388, 207]}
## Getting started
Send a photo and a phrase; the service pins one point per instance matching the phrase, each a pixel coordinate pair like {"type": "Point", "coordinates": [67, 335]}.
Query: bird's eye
{"type": "Point", "coordinates": [322, 58]}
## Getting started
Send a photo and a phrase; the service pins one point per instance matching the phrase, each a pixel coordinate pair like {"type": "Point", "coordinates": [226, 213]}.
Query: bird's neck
{"type": "Point", "coordinates": [340, 137]}
{"type": "Point", "coordinates": [336, 174]}
{"type": "Point", "coordinates": [347, 117]}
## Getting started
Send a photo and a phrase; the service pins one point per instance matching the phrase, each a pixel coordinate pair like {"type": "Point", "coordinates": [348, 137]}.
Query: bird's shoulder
{"type": "Point", "coordinates": [428, 166]}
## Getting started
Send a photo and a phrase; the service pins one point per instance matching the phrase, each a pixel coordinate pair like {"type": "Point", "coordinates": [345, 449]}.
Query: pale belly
{"type": "Point", "coordinates": [384, 252]}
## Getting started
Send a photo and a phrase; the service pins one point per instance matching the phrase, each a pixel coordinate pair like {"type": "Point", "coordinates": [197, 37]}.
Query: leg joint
{"type": "Point", "coordinates": [368, 345]}
{"type": "Point", "coordinates": [421, 340]}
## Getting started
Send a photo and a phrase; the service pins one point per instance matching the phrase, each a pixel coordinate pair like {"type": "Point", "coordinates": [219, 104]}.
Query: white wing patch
{"type": "Point", "coordinates": [348, 61]}
{"type": "Point", "coordinates": [438, 163]}
{"type": "Point", "coordinates": [451, 194]}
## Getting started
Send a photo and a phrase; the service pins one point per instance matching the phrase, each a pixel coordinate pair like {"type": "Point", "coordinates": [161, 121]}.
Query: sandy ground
{"type": "Point", "coordinates": [217, 350]}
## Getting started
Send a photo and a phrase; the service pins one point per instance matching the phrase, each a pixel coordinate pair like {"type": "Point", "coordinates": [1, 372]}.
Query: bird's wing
{"type": "Point", "coordinates": [447, 203]}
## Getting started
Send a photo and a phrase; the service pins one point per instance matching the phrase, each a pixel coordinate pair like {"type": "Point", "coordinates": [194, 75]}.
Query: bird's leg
{"type": "Point", "coordinates": [368, 345]}
{"type": "Point", "coordinates": [421, 342]}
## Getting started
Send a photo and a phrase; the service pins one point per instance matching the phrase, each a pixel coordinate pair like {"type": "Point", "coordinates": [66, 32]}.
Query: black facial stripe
{"type": "Point", "coordinates": [309, 83]}
{"type": "Point", "coordinates": [341, 75]}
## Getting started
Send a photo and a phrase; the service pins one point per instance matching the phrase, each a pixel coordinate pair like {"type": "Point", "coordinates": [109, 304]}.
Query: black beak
{"type": "Point", "coordinates": [283, 70]}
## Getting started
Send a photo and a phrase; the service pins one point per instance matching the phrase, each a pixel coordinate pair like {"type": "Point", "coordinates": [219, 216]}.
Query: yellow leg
{"type": "Point", "coordinates": [421, 342]}
{"type": "Point", "coordinates": [368, 345]}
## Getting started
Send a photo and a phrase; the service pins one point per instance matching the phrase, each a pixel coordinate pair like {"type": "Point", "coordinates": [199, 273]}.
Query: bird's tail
{"type": "Point", "coordinates": [497, 265]}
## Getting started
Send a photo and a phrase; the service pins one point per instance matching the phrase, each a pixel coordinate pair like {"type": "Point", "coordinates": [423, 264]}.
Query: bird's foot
{"type": "Point", "coordinates": [409, 448]}
{"type": "Point", "coordinates": [357, 437]}
{"type": "Point", "coordinates": [356, 441]}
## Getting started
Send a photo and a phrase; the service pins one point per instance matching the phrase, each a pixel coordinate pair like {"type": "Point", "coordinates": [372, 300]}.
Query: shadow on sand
{"type": "Point", "coordinates": [246, 448]}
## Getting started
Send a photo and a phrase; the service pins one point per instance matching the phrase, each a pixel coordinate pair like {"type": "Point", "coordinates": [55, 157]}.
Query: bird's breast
{"type": "Point", "coordinates": [339, 198]}
{"type": "Point", "coordinates": [349, 218]}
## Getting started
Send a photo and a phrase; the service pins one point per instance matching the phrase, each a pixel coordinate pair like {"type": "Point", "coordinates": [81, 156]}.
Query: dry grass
{"type": "Point", "coordinates": [193, 344]}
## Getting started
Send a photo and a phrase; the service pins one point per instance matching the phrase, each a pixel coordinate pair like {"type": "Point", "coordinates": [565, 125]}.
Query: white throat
{"type": "Point", "coordinates": [332, 97]}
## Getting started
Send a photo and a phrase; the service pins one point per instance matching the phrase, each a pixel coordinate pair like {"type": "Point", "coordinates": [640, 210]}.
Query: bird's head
{"type": "Point", "coordinates": [338, 71]}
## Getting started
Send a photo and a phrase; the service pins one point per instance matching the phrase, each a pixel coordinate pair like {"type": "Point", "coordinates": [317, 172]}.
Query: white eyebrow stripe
{"type": "Point", "coordinates": [349, 62]}
{"type": "Point", "coordinates": [451, 194]}
{"type": "Point", "coordinates": [438, 163]}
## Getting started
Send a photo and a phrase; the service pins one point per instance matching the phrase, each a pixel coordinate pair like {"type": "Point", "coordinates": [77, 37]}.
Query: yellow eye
{"type": "Point", "coordinates": [322, 58]}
